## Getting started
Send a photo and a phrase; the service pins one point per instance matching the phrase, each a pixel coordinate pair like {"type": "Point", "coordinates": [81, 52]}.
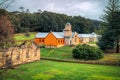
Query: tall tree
{"type": "Point", "coordinates": [22, 9]}
{"type": "Point", "coordinates": [6, 30]}
{"type": "Point", "coordinates": [111, 37]}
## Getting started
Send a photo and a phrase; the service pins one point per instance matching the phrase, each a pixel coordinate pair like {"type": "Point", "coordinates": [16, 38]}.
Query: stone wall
{"type": "Point", "coordinates": [19, 55]}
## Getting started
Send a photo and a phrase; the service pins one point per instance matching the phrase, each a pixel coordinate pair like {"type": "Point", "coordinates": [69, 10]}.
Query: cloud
{"type": "Point", "coordinates": [86, 8]}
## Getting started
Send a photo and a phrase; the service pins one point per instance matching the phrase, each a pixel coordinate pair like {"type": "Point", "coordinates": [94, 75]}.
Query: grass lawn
{"type": "Point", "coordinates": [21, 36]}
{"type": "Point", "coordinates": [51, 70]}
{"type": "Point", "coordinates": [65, 53]}
{"type": "Point", "coordinates": [57, 53]}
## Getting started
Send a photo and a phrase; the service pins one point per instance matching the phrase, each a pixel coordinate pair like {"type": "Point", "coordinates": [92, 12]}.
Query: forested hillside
{"type": "Point", "coordinates": [48, 21]}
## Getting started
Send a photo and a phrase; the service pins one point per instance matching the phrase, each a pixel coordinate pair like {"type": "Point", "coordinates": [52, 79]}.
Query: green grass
{"type": "Point", "coordinates": [51, 70]}
{"type": "Point", "coordinates": [57, 53]}
{"type": "Point", "coordinates": [91, 43]}
{"type": "Point", "coordinates": [111, 57]}
{"type": "Point", "coordinates": [65, 53]}
{"type": "Point", "coordinates": [21, 36]}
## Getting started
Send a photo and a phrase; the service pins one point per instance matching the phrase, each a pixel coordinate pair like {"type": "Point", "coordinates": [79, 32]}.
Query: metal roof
{"type": "Point", "coordinates": [87, 35]}
{"type": "Point", "coordinates": [58, 34]}
{"type": "Point", "coordinates": [61, 35]}
{"type": "Point", "coordinates": [68, 24]}
{"type": "Point", "coordinates": [41, 35]}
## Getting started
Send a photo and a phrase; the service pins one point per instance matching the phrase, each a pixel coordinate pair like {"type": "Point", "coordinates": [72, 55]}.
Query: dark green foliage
{"type": "Point", "coordinates": [106, 41]}
{"type": "Point", "coordinates": [27, 34]}
{"type": "Point", "coordinates": [3, 12]}
{"type": "Point", "coordinates": [47, 21]}
{"type": "Point", "coordinates": [86, 52]}
{"type": "Point", "coordinates": [111, 36]}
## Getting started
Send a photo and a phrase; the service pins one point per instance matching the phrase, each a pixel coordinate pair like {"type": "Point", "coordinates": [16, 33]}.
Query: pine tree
{"type": "Point", "coordinates": [111, 37]}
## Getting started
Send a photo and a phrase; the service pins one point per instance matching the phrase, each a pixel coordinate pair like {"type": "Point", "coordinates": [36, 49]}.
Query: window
{"type": "Point", "coordinates": [18, 57]}
{"type": "Point", "coordinates": [40, 40]}
{"type": "Point", "coordinates": [58, 41]}
{"type": "Point", "coordinates": [27, 54]}
{"type": "Point", "coordinates": [75, 39]}
{"type": "Point", "coordinates": [91, 39]}
{"type": "Point", "coordinates": [43, 40]}
{"type": "Point", "coordinates": [61, 41]}
{"type": "Point", "coordinates": [81, 40]}
{"type": "Point", "coordinates": [35, 53]}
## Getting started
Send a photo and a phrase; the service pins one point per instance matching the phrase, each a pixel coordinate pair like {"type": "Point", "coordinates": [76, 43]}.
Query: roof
{"type": "Point", "coordinates": [61, 35]}
{"type": "Point", "coordinates": [87, 35]}
{"type": "Point", "coordinates": [41, 35]}
{"type": "Point", "coordinates": [58, 34]}
{"type": "Point", "coordinates": [68, 24]}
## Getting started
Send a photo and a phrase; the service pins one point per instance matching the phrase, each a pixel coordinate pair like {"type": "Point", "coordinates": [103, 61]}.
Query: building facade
{"type": "Point", "coordinates": [65, 38]}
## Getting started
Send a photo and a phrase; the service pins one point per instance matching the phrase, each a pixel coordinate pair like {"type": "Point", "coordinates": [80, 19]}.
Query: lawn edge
{"type": "Point", "coordinates": [82, 62]}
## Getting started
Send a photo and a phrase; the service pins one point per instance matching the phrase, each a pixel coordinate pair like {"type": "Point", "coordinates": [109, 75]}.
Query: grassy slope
{"type": "Point", "coordinates": [51, 70]}
{"type": "Point", "coordinates": [58, 53]}
{"type": "Point", "coordinates": [65, 53]}
{"type": "Point", "coordinates": [21, 36]}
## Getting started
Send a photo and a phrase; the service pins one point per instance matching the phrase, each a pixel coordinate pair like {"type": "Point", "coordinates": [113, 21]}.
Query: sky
{"type": "Point", "coordinates": [92, 9]}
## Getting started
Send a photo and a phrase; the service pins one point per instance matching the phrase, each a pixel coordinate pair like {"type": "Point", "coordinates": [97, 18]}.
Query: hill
{"type": "Point", "coordinates": [48, 21]}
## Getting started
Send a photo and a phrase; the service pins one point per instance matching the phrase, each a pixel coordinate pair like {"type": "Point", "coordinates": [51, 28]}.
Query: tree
{"type": "Point", "coordinates": [46, 21]}
{"type": "Point", "coordinates": [5, 3]}
{"type": "Point", "coordinates": [27, 11]}
{"type": "Point", "coordinates": [39, 11]}
{"type": "Point", "coordinates": [6, 30]}
{"type": "Point", "coordinates": [22, 9]}
{"type": "Point", "coordinates": [116, 30]}
{"type": "Point", "coordinates": [111, 37]}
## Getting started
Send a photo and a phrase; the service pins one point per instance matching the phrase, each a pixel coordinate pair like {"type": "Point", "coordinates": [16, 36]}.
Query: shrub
{"type": "Point", "coordinates": [27, 34]}
{"type": "Point", "coordinates": [86, 52]}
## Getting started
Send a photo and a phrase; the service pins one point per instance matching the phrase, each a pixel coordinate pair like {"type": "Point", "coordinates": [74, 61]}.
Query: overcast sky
{"type": "Point", "coordinates": [87, 8]}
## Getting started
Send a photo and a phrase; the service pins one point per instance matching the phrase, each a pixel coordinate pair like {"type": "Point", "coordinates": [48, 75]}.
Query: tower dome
{"type": "Point", "coordinates": [67, 24]}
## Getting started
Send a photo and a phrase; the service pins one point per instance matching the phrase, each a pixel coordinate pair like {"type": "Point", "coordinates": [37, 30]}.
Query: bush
{"type": "Point", "coordinates": [86, 52]}
{"type": "Point", "coordinates": [27, 34]}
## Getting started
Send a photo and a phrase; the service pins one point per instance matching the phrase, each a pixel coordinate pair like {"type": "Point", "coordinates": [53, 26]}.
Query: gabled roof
{"type": "Point", "coordinates": [58, 34]}
{"type": "Point", "coordinates": [41, 35]}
